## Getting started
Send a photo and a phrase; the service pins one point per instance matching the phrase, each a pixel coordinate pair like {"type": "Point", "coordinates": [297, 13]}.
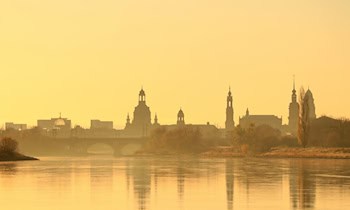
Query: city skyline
{"type": "Point", "coordinates": [88, 60]}
{"type": "Point", "coordinates": [154, 115]}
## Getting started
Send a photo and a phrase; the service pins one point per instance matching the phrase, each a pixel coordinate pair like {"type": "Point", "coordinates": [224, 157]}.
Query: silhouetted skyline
{"type": "Point", "coordinates": [84, 60]}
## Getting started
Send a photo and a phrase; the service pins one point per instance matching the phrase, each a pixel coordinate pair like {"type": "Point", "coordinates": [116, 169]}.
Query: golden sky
{"type": "Point", "coordinates": [89, 58]}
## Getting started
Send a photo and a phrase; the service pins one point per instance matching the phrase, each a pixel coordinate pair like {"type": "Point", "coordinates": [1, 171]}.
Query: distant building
{"type": "Point", "coordinates": [141, 124]}
{"type": "Point", "coordinates": [55, 124]}
{"type": "Point", "coordinates": [156, 123]}
{"type": "Point", "coordinates": [207, 130]}
{"type": "Point", "coordinates": [98, 124]}
{"type": "Point", "coordinates": [180, 118]}
{"type": "Point", "coordinates": [13, 126]}
{"type": "Point", "coordinates": [293, 113]}
{"type": "Point", "coordinates": [311, 103]}
{"type": "Point", "coordinates": [257, 120]}
{"type": "Point", "coordinates": [229, 124]}
{"type": "Point", "coordinates": [55, 127]}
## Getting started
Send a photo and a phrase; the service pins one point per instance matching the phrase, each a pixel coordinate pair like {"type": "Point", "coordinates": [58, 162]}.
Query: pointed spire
{"type": "Point", "coordinates": [293, 82]}
{"type": "Point", "coordinates": [128, 119]}
{"type": "Point", "coordinates": [155, 119]}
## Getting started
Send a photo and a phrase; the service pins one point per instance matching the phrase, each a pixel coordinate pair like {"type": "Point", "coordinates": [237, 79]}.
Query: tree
{"type": "Point", "coordinates": [304, 118]}
{"type": "Point", "coordinates": [8, 145]}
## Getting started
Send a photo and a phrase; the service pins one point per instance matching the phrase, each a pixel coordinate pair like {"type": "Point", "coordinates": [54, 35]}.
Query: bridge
{"type": "Point", "coordinates": [120, 146]}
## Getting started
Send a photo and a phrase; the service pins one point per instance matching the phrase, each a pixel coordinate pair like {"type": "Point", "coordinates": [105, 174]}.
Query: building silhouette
{"type": "Point", "coordinates": [293, 113]}
{"type": "Point", "coordinates": [141, 123]}
{"type": "Point", "coordinates": [155, 122]}
{"type": "Point", "coordinates": [15, 126]}
{"type": "Point", "coordinates": [180, 118]}
{"type": "Point", "coordinates": [257, 120]}
{"type": "Point", "coordinates": [98, 124]}
{"type": "Point", "coordinates": [55, 124]}
{"type": "Point", "coordinates": [229, 124]}
{"type": "Point", "coordinates": [309, 98]}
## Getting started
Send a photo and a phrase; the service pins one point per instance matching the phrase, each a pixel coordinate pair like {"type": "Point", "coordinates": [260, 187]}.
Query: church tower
{"type": "Point", "coordinates": [156, 123]}
{"type": "Point", "coordinates": [128, 120]}
{"type": "Point", "coordinates": [142, 117]}
{"type": "Point", "coordinates": [309, 98]}
{"type": "Point", "coordinates": [293, 112]}
{"type": "Point", "coordinates": [180, 118]}
{"type": "Point", "coordinates": [229, 124]}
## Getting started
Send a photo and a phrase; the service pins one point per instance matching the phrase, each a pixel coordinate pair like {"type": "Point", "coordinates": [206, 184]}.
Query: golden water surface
{"type": "Point", "coordinates": [102, 182]}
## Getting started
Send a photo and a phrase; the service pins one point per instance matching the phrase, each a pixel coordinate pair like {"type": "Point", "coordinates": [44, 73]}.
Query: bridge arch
{"type": "Point", "coordinates": [120, 147]}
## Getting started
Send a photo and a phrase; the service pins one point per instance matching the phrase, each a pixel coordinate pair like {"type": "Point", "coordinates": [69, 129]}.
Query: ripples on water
{"type": "Point", "coordinates": [167, 183]}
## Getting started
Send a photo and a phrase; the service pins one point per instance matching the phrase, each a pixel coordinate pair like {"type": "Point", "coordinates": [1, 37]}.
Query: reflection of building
{"type": "Point", "coordinates": [293, 113]}
{"type": "Point", "coordinates": [13, 126]}
{"type": "Point", "coordinates": [97, 124]}
{"type": "Point", "coordinates": [141, 175]}
{"type": "Point", "coordinates": [257, 120]}
{"type": "Point", "coordinates": [229, 183]}
{"type": "Point", "coordinates": [302, 187]}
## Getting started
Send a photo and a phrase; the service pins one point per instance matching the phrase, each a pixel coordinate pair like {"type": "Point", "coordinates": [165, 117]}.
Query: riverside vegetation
{"type": "Point", "coordinates": [9, 151]}
{"type": "Point", "coordinates": [326, 138]}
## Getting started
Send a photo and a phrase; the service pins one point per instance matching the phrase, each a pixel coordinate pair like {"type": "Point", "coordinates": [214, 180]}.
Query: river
{"type": "Point", "coordinates": [168, 183]}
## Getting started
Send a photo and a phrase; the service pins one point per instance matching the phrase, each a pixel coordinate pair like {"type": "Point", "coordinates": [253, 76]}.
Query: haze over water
{"type": "Point", "coordinates": [104, 182]}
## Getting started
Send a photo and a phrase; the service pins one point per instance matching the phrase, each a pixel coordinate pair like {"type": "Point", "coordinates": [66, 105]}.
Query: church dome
{"type": "Point", "coordinates": [59, 122]}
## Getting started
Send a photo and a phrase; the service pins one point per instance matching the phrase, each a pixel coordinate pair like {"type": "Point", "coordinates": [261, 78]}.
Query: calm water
{"type": "Point", "coordinates": [168, 183]}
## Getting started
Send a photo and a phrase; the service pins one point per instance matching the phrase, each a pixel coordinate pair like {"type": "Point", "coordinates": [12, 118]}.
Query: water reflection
{"type": "Point", "coordinates": [177, 183]}
{"type": "Point", "coordinates": [8, 168]}
{"type": "Point", "coordinates": [229, 183]}
{"type": "Point", "coordinates": [180, 179]}
{"type": "Point", "coordinates": [302, 185]}
{"type": "Point", "coordinates": [141, 178]}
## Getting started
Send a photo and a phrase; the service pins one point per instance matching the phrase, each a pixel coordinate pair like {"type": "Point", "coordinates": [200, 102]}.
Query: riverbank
{"type": "Point", "coordinates": [15, 157]}
{"type": "Point", "coordinates": [332, 153]}
{"type": "Point", "coordinates": [283, 152]}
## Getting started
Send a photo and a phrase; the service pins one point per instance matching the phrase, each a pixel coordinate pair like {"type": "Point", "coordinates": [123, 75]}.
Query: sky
{"type": "Point", "coordinates": [89, 59]}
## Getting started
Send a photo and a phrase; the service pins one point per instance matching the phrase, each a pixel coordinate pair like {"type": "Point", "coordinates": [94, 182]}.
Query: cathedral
{"type": "Point", "coordinates": [141, 124]}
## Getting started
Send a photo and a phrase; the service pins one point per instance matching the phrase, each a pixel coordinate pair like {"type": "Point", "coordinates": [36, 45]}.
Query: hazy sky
{"type": "Point", "coordinates": [89, 58]}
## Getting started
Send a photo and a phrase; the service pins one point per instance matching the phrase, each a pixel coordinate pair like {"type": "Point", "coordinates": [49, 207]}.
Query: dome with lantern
{"type": "Point", "coordinates": [59, 122]}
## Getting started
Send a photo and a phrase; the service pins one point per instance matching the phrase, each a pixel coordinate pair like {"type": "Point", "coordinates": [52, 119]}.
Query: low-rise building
{"type": "Point", "coordinates": [98, 124]}
{"type": "Point", "coordinates": [257, 120]}
{"type": "Point", "coordinates": [14, 126]}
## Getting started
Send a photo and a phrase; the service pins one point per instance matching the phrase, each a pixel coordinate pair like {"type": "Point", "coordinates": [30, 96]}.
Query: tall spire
{"type": "Point", "coordinates": [293, 82]}
{"type": "Point", "coordinates": [156, 119]}
{"type": "Point", "coordinates": [294, 95]}
{"type": "Point", "coordinates": [128, 119]}
{"type": "Point", "coordinates": [229, 123]}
